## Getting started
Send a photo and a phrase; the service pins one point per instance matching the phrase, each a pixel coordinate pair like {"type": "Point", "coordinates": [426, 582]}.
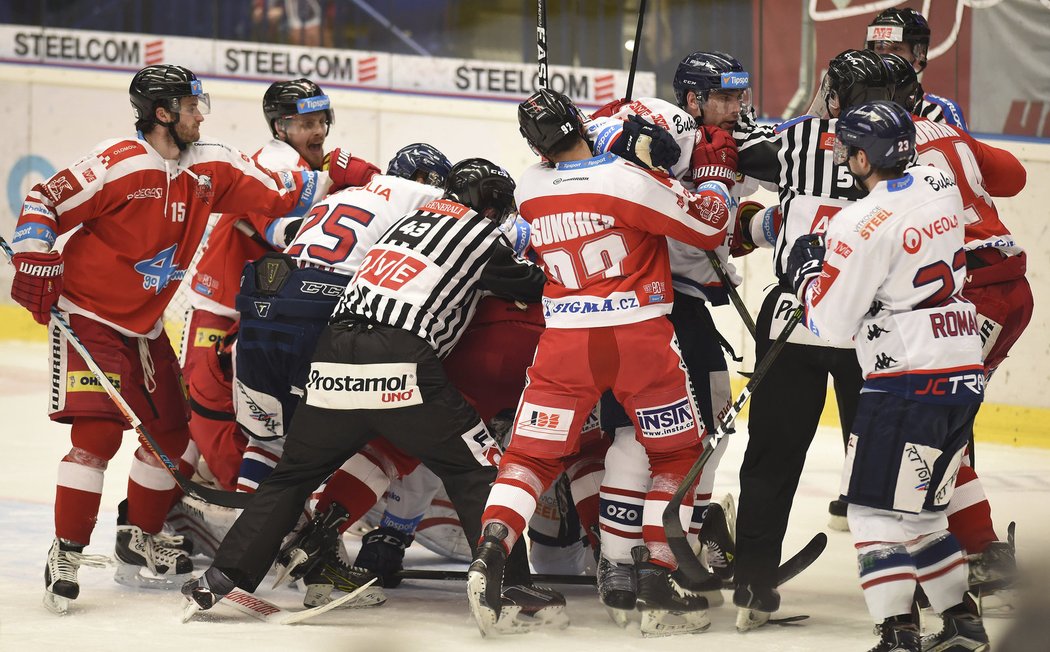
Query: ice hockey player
{"type": "Point", "coordinates": [376, 371]}
{"type": "Point", "coordinates": [995, 284]}
{"type": "Point", "coordinates": [145, 202]}
{"type": "Point", "coordinates": [888, 275]}
{"type": "Point", "coordinates": [596, 226]}
{"type": "Point", "coordinates": [712, 90]}
{"type": "Point", "coordinates": [906, 33]}
{"type": "Point", "coordinates": [797, 156]}
{"type": "Point", "coordinates": [299, 116]}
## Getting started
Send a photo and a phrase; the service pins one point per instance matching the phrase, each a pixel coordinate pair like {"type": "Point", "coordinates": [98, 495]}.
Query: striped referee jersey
{"type": "Point", "coordinates": [427, 273]}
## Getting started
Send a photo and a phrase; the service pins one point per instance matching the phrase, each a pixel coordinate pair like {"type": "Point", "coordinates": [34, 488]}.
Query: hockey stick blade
{"type": "Point", "coordinates": [671, 519]}
{"type": "Point", "coordinates": [461, 576]}
{"type": "Point", "coordinates": [268, 612]}
{"type": "Point", "coordinates": [207, 494]}
{"type": "Point", "coordinates": [802, 559]}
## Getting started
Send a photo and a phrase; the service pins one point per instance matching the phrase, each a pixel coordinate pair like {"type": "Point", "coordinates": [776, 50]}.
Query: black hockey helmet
{"type": "Point", "coordinates": [163, 85]}
{"type": "Point", "coordinates": [903, 25]}
{"type": "Point", "coordinates": [884, 130]}
{"type": "Point", "coordinates": [702, 72]}
{"type": "Point", "coordinates": [547, 117]}
{"type": "Point", "coordinates": [482, 185]}
{"type": "Point", "coordinates": [907, 91]}
{"type": "Point", "coordinates": [287, 98]}
{"type": "Point", "coordinates": [420, 157]}
{"type": "Point", "coordinates": [855, 77]}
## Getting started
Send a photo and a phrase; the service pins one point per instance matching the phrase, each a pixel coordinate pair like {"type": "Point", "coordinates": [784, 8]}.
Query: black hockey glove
{"type": "Point", "coordinates": [383, 553]}
{"type": "Point", "coordinates": [805, 262]}
{"type": "Point", "coordinates": [647, 145]}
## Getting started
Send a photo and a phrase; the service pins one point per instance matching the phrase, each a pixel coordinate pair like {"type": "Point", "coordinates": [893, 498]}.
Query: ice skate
{"type": "Point", "coordinates": [524, 608]}
{"type": "Point", "coordinates": [485, 578]}
{"type": "Point", "coordinates": [205, 591]}
{"type": "Point", "coordinates": [837, 516]}
{"type": "Point", "coordinates": [617, 589]}
{"type": "Point", "coordinates": [150, 561]}
{"type": "Point", "coordinates": [755, 604]}
{"type": "Point", "coordinates": [665, 608]}
{"type": "Point", "coordinates": [963, 630]}
{"type": "Point", "coordinates": [61, 586]}
{"type": "Point", "coordinates": [299, 556]}
{"type": "Point", "coordinates": [333, 573]}
{"type": "Point", "coordinates": [202, 525]}
{"type": "Point", "coordinates": [898, 634]}
{"type": "Point", "coordinates": [995, 568]}
{"type": "Point", "coordinates": [718, 538]}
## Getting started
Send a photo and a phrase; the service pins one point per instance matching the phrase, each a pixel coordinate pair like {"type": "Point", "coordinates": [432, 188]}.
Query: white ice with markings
{"type": "Point", "coordinates": [421, 615]}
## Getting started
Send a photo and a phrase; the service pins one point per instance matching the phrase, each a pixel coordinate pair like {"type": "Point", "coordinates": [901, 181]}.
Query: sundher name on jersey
{"type": "Point", "coordinates": [560, 227]}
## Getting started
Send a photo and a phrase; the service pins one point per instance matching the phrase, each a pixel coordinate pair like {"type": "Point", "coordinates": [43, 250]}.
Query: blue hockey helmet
{"type": "Point", "coordinates": [703, 72]}
{"type": "Point", "coordinates": [883, 129]}
{"type": "Point", "coordinates": [420, 157]}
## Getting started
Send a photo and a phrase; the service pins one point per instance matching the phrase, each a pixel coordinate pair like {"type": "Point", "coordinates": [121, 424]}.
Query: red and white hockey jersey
{"type": "Point", "coordinates": [142, 217]}
{"type": "Point", "coordinates": [892, 280]}
{"type": "Point", "coordinates": [691, 271]}
{"type": "Point", "coordinates": [339, 230]}
{"type": "Point", "coordinates": [593, 225]}
{"type": "Point", "coordinates": [218, 274]}
{"type": "Point", "coordinates": [980, 172]}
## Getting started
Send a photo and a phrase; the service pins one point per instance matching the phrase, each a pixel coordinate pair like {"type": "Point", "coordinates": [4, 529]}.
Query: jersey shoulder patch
{"type": "Point", "coordinates": [120, 151]}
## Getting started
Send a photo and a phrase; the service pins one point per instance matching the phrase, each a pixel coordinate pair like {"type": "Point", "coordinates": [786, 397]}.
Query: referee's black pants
{"type": "Point", "coordinates": [785, 411]}
{"type": "Point", "coordinates": [444, 432]}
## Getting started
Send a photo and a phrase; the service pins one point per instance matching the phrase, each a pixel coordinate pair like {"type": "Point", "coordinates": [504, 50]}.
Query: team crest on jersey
{"type": "Point", "coordinates": [204, 190]}
{"type": "Point", "coordinates": [62, 186]}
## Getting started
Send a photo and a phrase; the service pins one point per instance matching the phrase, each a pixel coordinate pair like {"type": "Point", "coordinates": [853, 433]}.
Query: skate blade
{"type": "Point", "coordinates": [56, 604]}
{"type": "Point", "coordinates": [189, 610]}
{"type": "Point", "coordinates": [513, 621]}
{"type": "Point", "coordinates": [663, 622]}
{"type": "Point", "coordinates": [838, 523]}
{"type": "Point", "coordinates": [484, 616]}
{"type": "Point", "coordinates": [622, 617]}
{"type": "Point", "coordinates": [296, 559]}
{"type": "Point", "coordinates": [748, 619]}
{"type": "Point", "coordinates": [140, 577]}
{"type": "Point", "coordinates": [714, 598]}
{"type": "Point", "coordinates": [318, 595]}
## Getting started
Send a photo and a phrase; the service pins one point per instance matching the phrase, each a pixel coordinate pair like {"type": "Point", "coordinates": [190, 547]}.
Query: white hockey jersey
{"type": "Point", "coordinates": [691, 271]}
{"type": "Point", "coordinates": [892, 280]}
{"type": "Point", "coordinates": [339, 230]}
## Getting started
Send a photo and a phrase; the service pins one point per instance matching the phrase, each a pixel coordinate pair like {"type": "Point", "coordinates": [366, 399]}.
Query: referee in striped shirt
{"type": "Point", "coordinates": [377, 372]}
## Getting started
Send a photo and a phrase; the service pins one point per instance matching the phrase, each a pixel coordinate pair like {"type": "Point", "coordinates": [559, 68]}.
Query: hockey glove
{"type": "Point", "coordinates": [714, 156]}
{"type": "Point", "coordinates": [383, 553]}
{"type": "Point", "coordinates": [346, 170]}
{"type": "Point", "coordinates": [805, 262]}
{"type": "Point", "coordinates": [645, 144]}
{"type": "Point", "coordinates": [741, 242]}
{"type": "Point", "coordinates": [38, 282]}
{"type": "Point", "coordinates": [610, 109]}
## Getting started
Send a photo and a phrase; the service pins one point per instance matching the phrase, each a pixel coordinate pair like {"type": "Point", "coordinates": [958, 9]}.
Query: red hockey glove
{"type": "Point", "coordinates": [741, 243]}
{"type": "Point", "coordinates": [38, 282]}
{"type": "Point", "coordinates": [346, 170]}
{"type": "Point", "coordinates": [714, 156]}
{"type": "Point", "coordinates": [610, 109]}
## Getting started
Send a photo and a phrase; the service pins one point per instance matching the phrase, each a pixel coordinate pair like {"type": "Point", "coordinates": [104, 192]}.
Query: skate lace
{"type": "Point", "coordinates": [716, 557]}
{"type": "Point", "coordinates": [67, 562]}
{"type": "Point", "coordinates": [165, 540]}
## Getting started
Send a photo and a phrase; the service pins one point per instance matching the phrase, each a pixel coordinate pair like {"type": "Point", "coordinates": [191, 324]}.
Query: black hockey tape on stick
{"type": "Point", "coordinates": [541, 42]}
{"type": "Point", "coordinates": [634, 51]}
{"type": "Point", "coordinates": [207, 494]}
{"type": "Point", "coordinates": [687, 561]}
{"type": "Point", "coordinates": [247, 229]}
{"type": "Point", "coordinates": [734, 297]}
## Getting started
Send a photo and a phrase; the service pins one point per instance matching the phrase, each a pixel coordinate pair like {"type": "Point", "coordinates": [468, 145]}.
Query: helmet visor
{"type": "Point", "coordinates": [200, 103]}
{"type": "Point", "coordinates": [306, 123]}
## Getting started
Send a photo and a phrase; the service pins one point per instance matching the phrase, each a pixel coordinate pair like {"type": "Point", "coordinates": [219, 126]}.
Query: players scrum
{"type": "Point", "coordinates": [856, 79]}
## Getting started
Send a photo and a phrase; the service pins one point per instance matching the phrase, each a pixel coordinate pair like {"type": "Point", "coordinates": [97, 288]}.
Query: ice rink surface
{"type": "Point", "coordinates": [422, 615]}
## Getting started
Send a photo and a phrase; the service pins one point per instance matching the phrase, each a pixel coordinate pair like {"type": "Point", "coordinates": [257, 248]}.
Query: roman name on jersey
{"type": "Point", "coordinates": [953, 323]}
{"type": "Point", "coordinates": [559, 227]}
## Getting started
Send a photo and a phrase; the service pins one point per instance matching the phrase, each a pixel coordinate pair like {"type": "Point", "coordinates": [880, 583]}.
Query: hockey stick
{"type": "Point", "coordinates": [541, 42]}
{"type": "Point", "coordinates": [207, 494]}
{"type": "Point", "coordinates": [635, 49]}
{"type": "Point", "coordinates": [734, 296]}
{"type": "Point", "coordinates": [672, 523]}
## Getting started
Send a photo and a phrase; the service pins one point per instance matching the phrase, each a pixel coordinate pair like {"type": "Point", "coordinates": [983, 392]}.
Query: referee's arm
{"type": "Point", "coordinates": [510, 277]}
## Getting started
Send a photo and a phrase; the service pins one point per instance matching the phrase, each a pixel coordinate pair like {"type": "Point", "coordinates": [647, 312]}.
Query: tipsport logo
{"type": "Point", "coordinates": [311, 104]}
{"type": "Point", "coordinates": [736, 80]}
